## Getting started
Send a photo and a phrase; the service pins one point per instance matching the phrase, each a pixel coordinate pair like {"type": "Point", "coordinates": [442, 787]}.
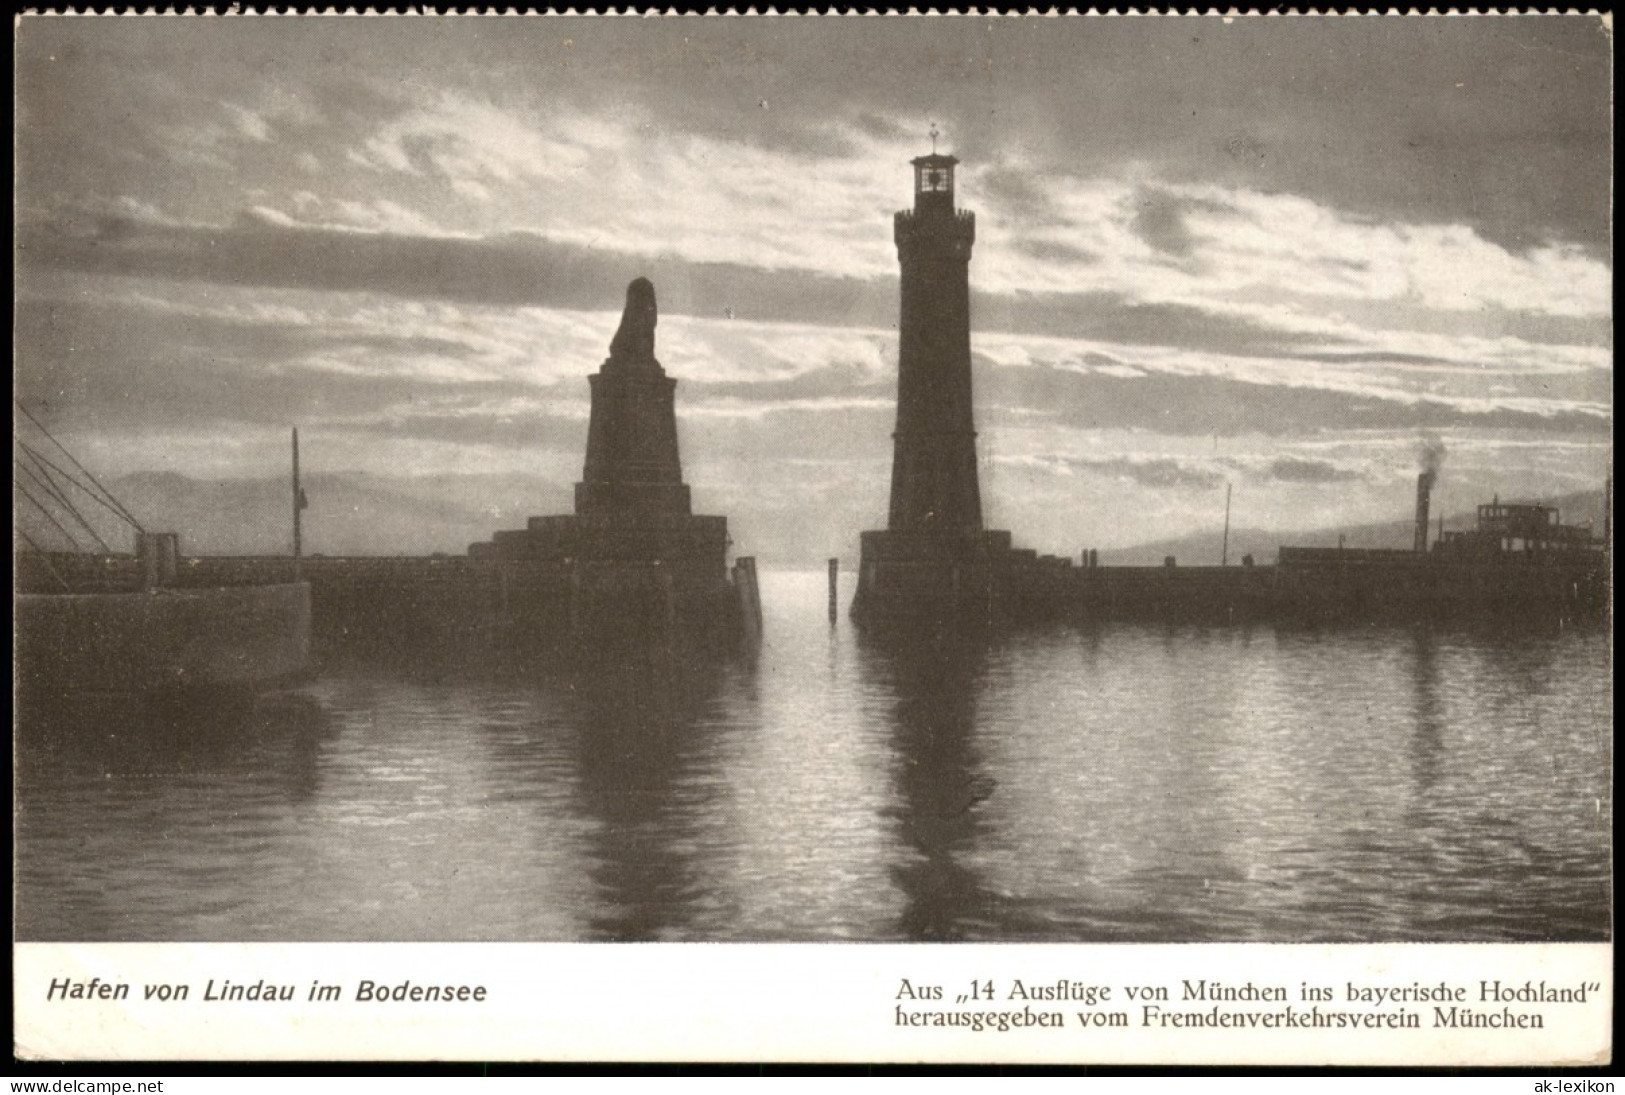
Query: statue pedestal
{"type": "Point", "coordinates": [633, 540]}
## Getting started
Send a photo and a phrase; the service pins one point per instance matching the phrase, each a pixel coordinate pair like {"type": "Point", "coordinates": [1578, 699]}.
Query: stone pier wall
{"type": "Point", "coordinates": [1019, 585]}
{"type": "Point", "coordinates": [415, 602]}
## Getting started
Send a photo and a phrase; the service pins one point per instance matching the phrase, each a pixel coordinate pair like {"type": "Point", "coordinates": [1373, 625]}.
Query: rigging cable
{"type": "Point", "coordinates": [51, 488]}
{"type": "Point", "coordinates": [45, 463]}
{"type": "Point", "coordinates": [116, 505]}
{"type": "Point", "coordinates": [109, 503]}
{"type": "Point", "coordinates": [48, 515]}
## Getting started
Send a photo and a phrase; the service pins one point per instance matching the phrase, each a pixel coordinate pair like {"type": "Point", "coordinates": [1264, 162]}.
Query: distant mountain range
{"type": "Point", "coordinates": [1206, 548]}
{"type": "Point", "coordinates": [347, 513]}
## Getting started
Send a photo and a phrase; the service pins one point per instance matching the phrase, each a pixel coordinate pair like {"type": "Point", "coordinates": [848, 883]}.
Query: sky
{"type": "Point", "coordinates": [1284, 256]}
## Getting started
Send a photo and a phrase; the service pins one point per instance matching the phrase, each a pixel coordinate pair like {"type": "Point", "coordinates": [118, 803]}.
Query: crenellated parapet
{"type": "Point", "coordinates": [934, 234]}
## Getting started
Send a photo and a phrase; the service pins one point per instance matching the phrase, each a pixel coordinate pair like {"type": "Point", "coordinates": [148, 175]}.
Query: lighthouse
{"type": "Point", "coordinates": [934, 557]}
{"type": "Point", "coordinates": [934, 486]}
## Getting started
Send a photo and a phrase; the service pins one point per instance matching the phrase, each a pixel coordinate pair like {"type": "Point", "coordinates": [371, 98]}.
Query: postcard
{"type": "Point", "coordinates": [1055, 539]}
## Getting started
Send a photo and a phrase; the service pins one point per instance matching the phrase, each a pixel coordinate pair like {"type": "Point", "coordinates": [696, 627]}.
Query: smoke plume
{"type": "Point", "coordinates": [1430, 453]}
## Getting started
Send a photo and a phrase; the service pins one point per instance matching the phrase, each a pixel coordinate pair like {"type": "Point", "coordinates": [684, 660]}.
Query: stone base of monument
{"type": "Point", "coordinates": [636, 565]}
{"type": "Point", "coordinates": [661, 579]}
{"type": "Point", "coordinates": [693, 547]}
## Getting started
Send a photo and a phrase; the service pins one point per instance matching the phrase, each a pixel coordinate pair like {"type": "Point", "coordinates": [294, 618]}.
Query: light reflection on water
{"type": "Point", "coordinates": [1110, 783]}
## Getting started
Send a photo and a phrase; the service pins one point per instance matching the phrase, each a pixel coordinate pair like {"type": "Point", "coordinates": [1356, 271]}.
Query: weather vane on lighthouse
{"type": "Point", "coordinates": [933, 138]}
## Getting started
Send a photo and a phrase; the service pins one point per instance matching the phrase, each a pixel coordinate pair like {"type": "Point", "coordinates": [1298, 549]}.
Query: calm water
{"type": "Point", "coordinates": [1131, 783]}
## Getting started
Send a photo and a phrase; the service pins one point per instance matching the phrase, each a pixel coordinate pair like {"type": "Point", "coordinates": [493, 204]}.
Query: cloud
{"type": "Point", "coordinates": [530, 425]}
{"type": "Point", "coordinates": [1371, 117]}
{"type": "Point", "coordinates": [1160, 473]}
{"type": "Point", "coordinates": [1046, 250]}
{"type": "Point", "coordinates": [249, 123]}
{"type": "Point", "coordinates": [1209, 405]}
{"type": "Point", "coordinates": [163, 354]}
{"type": "Point", "coordinates": [1202, 249]}
{"type": "Point", "coordinates": [1213, 247]}
{"type": "Point", "coordinates": [274, 217]}
{"type": "Point", "coordinates": [879, 127]}
{"type": "Point", "coordinates": [1113, 317]}
{"type": "Point", "coordinates": [122, 365]}
{"type": "Point", "coordinates": [1159, 220]}
{"type": "Point", "coordinates": [514, 269]}
{"type": "Point", "coordinates": [1015, 194]}
{"type": "Point", "coordinates": [1289, 469]}
{"type": "Point", "coordinates": [466, 139]}
{"type": "Point", "coordinates": [1269, 275]}
{"type": "Point", "coordinates": [839, 381]}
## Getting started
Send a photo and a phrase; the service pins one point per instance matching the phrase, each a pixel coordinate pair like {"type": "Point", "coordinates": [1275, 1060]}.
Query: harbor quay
{"type": "Point", "coordinates": [403, 603]}
{"type": "Point", "coordinates": [936, 564]}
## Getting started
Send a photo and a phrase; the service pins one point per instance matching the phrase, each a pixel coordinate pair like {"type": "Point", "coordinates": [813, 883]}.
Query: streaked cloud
{"type": "Point", "coordinates": [415, 245]}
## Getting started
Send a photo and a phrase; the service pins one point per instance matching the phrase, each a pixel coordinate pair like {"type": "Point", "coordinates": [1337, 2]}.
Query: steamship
{"type": "Point", "coordinates": [1518, 558]}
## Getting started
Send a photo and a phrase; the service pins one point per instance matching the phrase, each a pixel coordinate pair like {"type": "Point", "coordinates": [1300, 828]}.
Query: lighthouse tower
{"type": "Point", "coordinates": [933, 557]}
{"type": "Point", "coordinates": [933, 486]}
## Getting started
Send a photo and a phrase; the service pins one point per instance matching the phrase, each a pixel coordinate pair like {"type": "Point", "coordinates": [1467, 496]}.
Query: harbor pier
{"type": "Point", "coordinates": [936, 563]}
{"type": "Point", "coordinates": [632, 562]}
{"type": "Point", "coordinates": [633, 559]}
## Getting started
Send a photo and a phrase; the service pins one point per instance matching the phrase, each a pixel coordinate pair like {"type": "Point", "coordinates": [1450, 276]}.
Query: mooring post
{"type": "Point", "coordinates": [834, 582]}
{"type": "Point", "coordinates": [750, 598]}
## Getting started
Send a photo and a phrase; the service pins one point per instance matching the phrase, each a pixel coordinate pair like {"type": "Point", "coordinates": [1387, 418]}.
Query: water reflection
{"type": "Point", "coordinates": [104, 791]}
{"type": "Point", "coordinates": [1109, 782]}
{"type": "Point", "coordinates": [940, 783]}
{"type": "Point", "coordinates": [278, 737]}
{"type": "Point", "coordinates": [646, 772]}
{"type": "Point", "coordinates": [1483, 841]}
{"type": "Point", "coordinates": [1427, 736]}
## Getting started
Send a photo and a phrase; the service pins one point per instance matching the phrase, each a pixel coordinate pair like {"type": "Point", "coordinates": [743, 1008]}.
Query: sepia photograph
{"type": "Point", "coordinates": [815, 480]}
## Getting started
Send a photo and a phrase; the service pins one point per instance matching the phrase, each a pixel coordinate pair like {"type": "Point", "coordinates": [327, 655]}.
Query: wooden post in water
{"type": "Point", "coordinates": [1224, 551]}
{"type": "Point", "coordinates": [298, 504]}
{"type": "Point", "coordinates": [834, 580]}
{"type": "Point", "coordinates": [750, 598]}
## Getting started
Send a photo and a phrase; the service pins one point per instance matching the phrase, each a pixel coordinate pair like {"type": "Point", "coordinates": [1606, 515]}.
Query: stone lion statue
{"type": "Point", "coordinates": [636, 336]}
